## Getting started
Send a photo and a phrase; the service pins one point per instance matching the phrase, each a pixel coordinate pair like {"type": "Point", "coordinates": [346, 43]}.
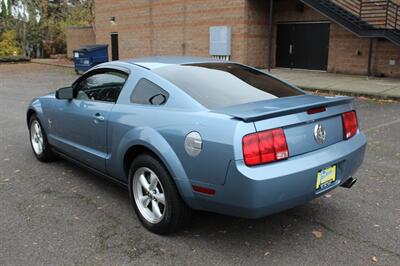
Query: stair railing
{"type": "Point", "coordinates": [378, 13]}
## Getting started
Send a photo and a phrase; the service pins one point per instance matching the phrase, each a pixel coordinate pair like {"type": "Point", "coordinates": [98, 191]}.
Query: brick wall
{"type": "Point", "coordinates": [181, 27]}
{"type": "Point", "coordinates": [78, 36]}
{"type": "Point", "coordinates": [256, 33]}
{"type": "Point", "coordinates": [347, 52]}
{"type": "Point", "coordinates": [169, 27]}
{"type": "Point", "coordinates": [283, 11]}
{"type": "Point", "coordinates": [384, 53]}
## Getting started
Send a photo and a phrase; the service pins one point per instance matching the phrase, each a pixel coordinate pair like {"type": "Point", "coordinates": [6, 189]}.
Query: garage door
{"type": "Point", "coordinates": [303, 45]}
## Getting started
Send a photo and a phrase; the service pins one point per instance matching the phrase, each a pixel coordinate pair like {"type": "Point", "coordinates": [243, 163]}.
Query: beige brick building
{"type": "Point", "coordinates": [181, 27]}
{"type": "Point", "coordinates": [78, 36]}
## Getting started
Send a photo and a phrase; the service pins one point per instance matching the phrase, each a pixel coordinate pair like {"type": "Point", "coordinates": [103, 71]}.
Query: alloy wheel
{"type": "Point", "coordinates": [149, 195]}
{"type": "Point", "coordinates": [37, 137]}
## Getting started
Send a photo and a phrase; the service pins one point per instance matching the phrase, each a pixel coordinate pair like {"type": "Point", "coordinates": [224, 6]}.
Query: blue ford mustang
{"type": "Point", "coordinates": [188, 133]}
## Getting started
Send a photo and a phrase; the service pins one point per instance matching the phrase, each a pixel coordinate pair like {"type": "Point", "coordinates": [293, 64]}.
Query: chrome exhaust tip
{"type": "Point", "coordinates": [349, 182]}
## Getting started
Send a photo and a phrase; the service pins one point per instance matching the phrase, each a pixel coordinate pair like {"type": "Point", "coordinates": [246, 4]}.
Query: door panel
{"type": "Point", "coordinates": [81, 130]}
{"type": "Point", "coordinates": [80, 124]}
{"type": "Point", "coordinates": [303, 45]}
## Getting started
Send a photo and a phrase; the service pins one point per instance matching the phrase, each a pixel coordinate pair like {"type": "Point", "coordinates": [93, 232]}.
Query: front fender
{"type": "Point", "coordinates": [154, 141]}
{"type": "Point", "coordinates": [35, 107]}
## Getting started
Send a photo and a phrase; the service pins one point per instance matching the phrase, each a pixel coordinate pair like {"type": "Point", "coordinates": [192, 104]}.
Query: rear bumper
{"type": "Point", "coordinates": [253, 192]}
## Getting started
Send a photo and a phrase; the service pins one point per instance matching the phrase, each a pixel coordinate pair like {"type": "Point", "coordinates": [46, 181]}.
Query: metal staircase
{"type": "Point", "coordinates": [365, 18]}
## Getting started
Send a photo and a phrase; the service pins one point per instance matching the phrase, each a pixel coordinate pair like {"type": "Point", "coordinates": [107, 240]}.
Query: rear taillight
{"type": "Point", "coordinates": [350, 125]}
{"type": "Point", "coordinates": [265, 147]}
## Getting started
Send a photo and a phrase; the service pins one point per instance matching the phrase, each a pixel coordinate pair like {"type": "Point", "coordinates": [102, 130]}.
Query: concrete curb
{"type": "Point", "coordinates": [374, 96]}
{"type": "Point", "coordinates": [52, 64]}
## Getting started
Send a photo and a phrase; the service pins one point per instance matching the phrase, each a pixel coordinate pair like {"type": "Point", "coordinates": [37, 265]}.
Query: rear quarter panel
{"type": "Point", "coordinates": [163, 129]}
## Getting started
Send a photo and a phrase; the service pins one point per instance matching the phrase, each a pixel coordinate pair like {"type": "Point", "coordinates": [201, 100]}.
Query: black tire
{"type": "Point", "coordinates": [47, 154]}
{"type": "Point", "coordinates": [177, 213]}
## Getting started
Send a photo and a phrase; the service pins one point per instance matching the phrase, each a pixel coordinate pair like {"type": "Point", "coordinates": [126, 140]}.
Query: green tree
{"type": "Point", "coordinates": [81, 14]}
{"type": "Point", "coordinates": [9, 8]}
{"type": "Point", "coordinates": [2, 17]}
{"type": "Point", "coordinates": [3, 9]}
{"type": "Point", "coordinates": [8, 44]}
{"type": "Point", "coordinates": [42, 25]}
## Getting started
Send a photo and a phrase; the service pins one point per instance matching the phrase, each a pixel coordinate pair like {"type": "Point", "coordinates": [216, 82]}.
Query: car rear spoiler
{"type": "Point", "coordinates": [255, 111]}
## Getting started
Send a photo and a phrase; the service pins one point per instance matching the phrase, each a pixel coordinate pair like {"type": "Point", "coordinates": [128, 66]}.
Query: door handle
{"type": "Point", "coordinates": [291, 49]}
{"type": "Point", "coordinates": [98, 118]}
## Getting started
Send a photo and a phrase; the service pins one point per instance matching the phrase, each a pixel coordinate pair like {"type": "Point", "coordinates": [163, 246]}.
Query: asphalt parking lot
{"type": "Point", "coordinates": [60, 214]}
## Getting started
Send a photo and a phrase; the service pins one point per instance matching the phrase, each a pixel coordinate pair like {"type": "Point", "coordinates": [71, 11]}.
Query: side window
{"type": "Point", "coordinates": [104, 87]}
{"type": "Point", "coordinates": [146, 92]}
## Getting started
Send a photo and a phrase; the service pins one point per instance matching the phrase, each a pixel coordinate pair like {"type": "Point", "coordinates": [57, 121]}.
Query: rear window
{"type": "Point", "coordinates": [217, 85]}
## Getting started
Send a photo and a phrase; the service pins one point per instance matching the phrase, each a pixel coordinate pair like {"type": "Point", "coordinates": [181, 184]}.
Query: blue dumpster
{"type": "Point", "coordinates": [88, 56]}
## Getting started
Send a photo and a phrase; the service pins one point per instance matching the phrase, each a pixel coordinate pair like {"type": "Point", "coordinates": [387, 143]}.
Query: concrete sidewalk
{"type": "Point", "coordinates": [385, 88]}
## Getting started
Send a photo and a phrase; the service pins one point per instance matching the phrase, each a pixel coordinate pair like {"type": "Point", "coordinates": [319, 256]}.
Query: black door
{"type": "Point", "coordinates": [303, 45]}
{"type": "Point", "coordinates": [284, 45]}
{"type": "Point", "coordinates": [114, 46]}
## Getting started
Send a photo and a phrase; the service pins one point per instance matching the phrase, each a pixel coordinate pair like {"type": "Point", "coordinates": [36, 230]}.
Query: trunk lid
{"type": "Point", "coordinates": [290, 113]}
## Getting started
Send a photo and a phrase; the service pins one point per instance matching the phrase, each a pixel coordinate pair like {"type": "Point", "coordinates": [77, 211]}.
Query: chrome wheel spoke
{"type": "Point", "coordinates": [40, 141]}
{"type": "Point", "coordinates": [160, 198]}
{"type": "Point", "coordinates": [40, 149]}
{"type": "Point", "coordinates": [156, 209]}
{"type": "Point", "coordinates": [153, 182]}
{"type": "Point", "coordinates": [143, 182]}
{"type": "Point", "coordinates": [37, 127]}
{"type": "Point", "coordinates": [145, 200]}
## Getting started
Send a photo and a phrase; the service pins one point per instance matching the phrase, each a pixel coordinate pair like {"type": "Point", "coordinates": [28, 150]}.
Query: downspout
{"type": "Point", "coordinates": [370, 57]}
{"type": "Point", "coordinates": [271, 3]}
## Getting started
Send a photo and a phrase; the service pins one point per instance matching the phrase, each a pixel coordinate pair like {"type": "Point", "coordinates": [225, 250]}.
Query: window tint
{"type": "Point", "coordinates": [146, 92]}
{"type": "Point", "coordinates": [104, 87]}
{"type": "Point", "coordinates": [217, 85]}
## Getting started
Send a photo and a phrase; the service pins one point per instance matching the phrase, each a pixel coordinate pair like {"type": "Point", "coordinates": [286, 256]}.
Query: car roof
{"type": "Point", "coordinates": [154, 62]}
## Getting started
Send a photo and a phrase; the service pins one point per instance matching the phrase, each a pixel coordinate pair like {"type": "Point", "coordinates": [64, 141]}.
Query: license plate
{"type": "Point", "coordinates": [325, 177]}
{"type": "Point", "coordinates": [86, 62]}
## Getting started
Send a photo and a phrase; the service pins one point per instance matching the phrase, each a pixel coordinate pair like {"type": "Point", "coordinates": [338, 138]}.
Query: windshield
{"type": "Point", "coordinates": [217, 85]}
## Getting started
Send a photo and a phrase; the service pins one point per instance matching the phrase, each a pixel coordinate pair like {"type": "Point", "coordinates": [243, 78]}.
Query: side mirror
{"type": "Point", "coordinates": [66, 93]}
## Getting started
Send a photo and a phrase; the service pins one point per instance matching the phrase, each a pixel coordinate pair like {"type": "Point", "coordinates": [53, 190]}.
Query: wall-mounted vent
{"type": "Point", "coordinates": [220, 42]}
